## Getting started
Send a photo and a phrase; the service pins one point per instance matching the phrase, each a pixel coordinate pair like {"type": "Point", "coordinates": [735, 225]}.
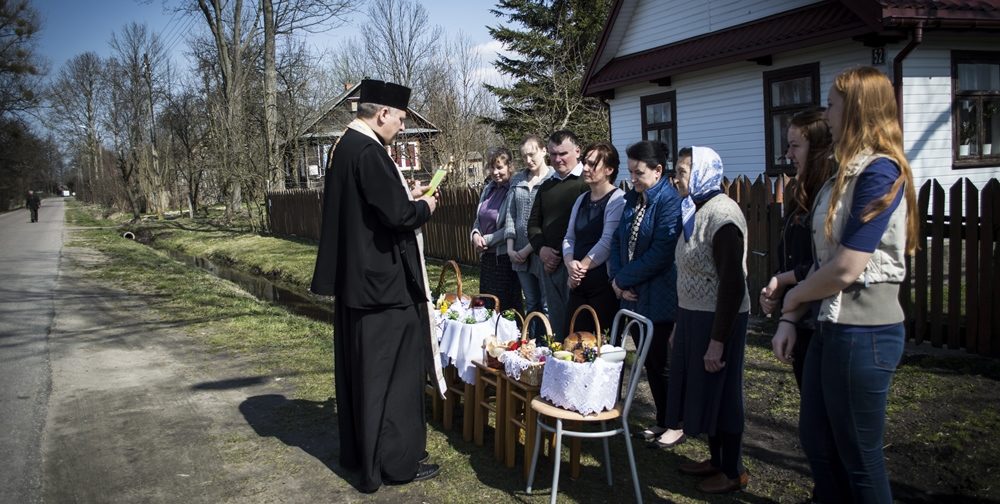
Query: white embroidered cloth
{"type": "Point", "coordinates": [513, 363]}
{"type": "Point", "coordinates": [588, 388]}
{"type": "Point", "coordinates": [461, 342]}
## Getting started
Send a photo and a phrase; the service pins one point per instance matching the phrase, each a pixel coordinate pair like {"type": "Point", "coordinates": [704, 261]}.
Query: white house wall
{"type": "Point", "coordinates": [659, 22]}
{"type": "Point", "coordinates": [724, 107]}
{"type": "Point", "coordinates": [927, 110]}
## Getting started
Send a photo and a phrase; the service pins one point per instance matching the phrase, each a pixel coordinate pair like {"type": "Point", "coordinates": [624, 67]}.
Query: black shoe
{"type": "Point", "coordinates": [424, 458]}
{"type": "Point", "coordinates": [426, 471]}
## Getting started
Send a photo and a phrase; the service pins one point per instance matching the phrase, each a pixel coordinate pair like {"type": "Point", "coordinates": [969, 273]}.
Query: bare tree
{"type": "Point", "coordinates": [456, 102]}
{"type": "Point", "coordinates": [185, 120]}
{"type": "Point", "coordinates": [123, 122]}
{"type": "Point", "coordinates": [286, 18]}
{"type": "Point", "coordinates": [233, 33]}
{"type": "Point", "coordinates": [403, 42]}
{"type": "Point", "coordinates": [141, 62]}
{"type": "Point", "coordinates": [74, 100]}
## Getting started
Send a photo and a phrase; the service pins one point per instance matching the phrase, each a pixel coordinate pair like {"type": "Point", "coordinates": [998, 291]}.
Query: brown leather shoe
{"type": "Point", "coordinates": [703, 468]}
{"type": "Point", "coordinates": [720, 484]}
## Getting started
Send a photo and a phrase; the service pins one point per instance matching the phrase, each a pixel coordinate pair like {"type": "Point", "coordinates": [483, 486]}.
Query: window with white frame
{"type": "Point", "coordinates": [786, 91]}
{"type": "Point", "coordinates": [976, 108]}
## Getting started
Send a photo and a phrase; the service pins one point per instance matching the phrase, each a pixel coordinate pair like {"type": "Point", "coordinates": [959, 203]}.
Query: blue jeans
{"type": "Point", "coordinates": [845, 387]}
{"type": "Point", "coordinates": [531, 285]}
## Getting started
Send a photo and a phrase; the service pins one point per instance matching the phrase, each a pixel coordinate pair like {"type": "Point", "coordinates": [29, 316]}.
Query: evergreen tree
{"type": "Point", "coordinates": [553, 41]}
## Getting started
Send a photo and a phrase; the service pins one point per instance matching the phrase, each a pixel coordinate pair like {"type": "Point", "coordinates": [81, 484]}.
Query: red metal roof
{"type": "Point", "coordinates": [810, 25]}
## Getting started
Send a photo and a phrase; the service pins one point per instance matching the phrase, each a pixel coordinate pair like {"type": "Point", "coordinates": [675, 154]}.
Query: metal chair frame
{"type": "Point", "coordinates": [621, 410]}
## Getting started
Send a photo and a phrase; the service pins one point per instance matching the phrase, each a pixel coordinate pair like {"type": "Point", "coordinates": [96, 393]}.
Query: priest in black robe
{"type": "Point", "coordinates": [371, 260]}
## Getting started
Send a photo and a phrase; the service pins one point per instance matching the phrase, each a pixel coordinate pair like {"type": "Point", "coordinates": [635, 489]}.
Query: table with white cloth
{"type": "Point", "coordinates": [460, 342]}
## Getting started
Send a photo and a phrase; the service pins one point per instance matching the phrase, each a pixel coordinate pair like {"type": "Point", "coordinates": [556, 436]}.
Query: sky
{"type": "Point", "coordinates": [71, 27]}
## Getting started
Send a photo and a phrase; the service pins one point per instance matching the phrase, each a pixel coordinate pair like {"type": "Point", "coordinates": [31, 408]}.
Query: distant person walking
{"type": "Point", "coordinates": [32, 202]}
{"type": "Point", "coordinates": [371, 259]}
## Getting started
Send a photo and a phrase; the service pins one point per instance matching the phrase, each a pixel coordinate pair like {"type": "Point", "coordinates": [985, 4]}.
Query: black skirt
{"type": "Point", "coordinates": [498, 278]}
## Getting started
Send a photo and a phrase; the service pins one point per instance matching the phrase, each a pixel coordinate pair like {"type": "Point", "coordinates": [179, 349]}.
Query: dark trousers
{"type": "Point", "coordinates": [726, 449]}
{"type": "Point", "coordinates": [658, 366]}
{"type": "Point", "coordinates": [802, 338]}
{"type": "Point", "coordinates": [845, 388]}
{"type": "Point", "coordinates": [595, 290]}
{"type": "Point", "coordinates": [34, 214]}
{"type": "Point", "coordinates": [379, 372]}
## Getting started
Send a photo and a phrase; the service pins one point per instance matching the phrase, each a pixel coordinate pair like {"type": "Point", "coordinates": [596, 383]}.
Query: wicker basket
{"type": "Point", "coordinates": [532, 373]}
{"type": "Point", "coordinates": [458, 295]}
{"type": "Point", "coordinates": [597, 325]}
{"type": "Point", "coordinates": [587, 387]}
{"type": "Point", "coordinates": [489, 360]}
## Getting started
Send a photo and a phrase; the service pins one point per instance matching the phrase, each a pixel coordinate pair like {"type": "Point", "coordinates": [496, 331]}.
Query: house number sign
{"type": "Point", "coordinates": [878, 56]}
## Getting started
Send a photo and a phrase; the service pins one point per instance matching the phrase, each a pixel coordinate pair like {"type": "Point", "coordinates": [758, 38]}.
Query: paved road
{"type": "Point", "coordinates": [29, 267]}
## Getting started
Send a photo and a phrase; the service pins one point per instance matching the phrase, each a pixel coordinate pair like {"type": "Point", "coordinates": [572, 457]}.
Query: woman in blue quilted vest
{"type": "Point", "coordinates": [641, 264]}
{"type": "Point", "coordinates": [864, 222]}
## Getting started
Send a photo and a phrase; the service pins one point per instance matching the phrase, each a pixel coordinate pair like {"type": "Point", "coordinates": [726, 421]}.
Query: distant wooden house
{"type": "Point", "coordinates": [306, 157]}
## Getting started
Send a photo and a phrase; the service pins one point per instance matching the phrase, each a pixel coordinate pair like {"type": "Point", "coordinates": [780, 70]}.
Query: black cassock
{"type": "Point", "coordinates": [368, 259]}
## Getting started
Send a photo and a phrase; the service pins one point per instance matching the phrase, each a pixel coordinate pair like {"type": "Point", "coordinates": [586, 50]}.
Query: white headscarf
{"type": "Point", "coordinates": [706, 181]}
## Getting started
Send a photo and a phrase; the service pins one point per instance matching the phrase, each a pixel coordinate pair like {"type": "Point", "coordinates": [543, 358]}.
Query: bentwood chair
{"type": "Point", "coordinates": [624, 321]}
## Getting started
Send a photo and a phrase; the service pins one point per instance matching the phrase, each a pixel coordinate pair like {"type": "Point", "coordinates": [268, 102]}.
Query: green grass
{"type": "Point", "coordinates": [942, 409]}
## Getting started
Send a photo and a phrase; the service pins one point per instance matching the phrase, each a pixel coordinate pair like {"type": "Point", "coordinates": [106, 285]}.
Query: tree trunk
{"type": "Point", "coordinates": [276, 178]}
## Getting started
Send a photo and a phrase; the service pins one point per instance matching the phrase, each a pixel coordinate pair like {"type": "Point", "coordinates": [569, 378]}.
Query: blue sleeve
{"type": "Point", "coordinates": [874, 183]}
{"type": "Point", "coordinates": [614, 260]}
{"type": "Point", "coordinates": [659, 257]}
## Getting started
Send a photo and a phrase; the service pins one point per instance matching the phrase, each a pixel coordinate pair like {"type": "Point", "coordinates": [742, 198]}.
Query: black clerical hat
{"type": "Point", "coordinates": [385, 93]}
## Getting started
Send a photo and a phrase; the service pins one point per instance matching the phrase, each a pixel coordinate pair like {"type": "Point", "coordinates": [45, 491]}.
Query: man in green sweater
{"type": "Point", "coordinates": [550, 218]}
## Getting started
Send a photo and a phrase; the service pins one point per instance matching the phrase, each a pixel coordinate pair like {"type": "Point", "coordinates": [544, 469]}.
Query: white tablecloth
{"type": "Point", "coordinates": [461, 342]}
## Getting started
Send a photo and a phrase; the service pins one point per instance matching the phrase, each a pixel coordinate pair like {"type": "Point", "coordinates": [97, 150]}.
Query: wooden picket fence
{"type": "Point", "coordinates": [295, 212]}
{"type": "Point", "coordinates": [948, 294]}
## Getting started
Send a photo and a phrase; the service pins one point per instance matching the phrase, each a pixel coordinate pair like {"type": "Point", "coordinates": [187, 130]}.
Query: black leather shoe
{"type": "Point", "coordinates": [426, 471]}
{"type": "Point", "coordinates": [424, 458]}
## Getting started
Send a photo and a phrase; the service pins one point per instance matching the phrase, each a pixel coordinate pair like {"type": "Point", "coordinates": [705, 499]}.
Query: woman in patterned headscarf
{"type": "Point", "coordinates": [706, 378]}
{"type": "Point", "coordinates": [641, 265]}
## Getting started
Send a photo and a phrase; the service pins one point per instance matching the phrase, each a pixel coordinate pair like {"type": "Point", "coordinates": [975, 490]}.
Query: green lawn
{"type": "Point", "coordinates": [943, 408]}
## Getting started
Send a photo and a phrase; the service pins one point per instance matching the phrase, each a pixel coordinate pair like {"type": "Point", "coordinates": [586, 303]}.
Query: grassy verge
{"type": "Point", "coordinates": [942, 406]}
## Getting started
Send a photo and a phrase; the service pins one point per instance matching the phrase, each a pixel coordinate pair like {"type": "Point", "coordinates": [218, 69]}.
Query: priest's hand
{"type": "Point", "coordinates": [430, 200]}
{"type": "Point", "coordinates": [417, 189]}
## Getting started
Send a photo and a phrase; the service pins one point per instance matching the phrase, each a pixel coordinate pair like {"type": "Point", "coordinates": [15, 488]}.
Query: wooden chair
{"type": "Point", "coordinates": [519, 415]}
{"type": "Point", "coordinates": [458, 392]}
{"type": "Point", "coordinates": [436, 402]}
{"type": "Point", "coordinates": [487, 377]}
{"type": "Point", "coordinates": [543, 409]}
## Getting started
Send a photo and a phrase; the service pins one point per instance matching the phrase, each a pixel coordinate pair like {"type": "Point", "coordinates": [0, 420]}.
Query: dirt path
{"type": "Point", "coordinates": [141, 412]}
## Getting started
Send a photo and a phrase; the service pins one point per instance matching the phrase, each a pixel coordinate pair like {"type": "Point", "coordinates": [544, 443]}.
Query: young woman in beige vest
{"type": "Point", "coordinates": [864, 222]}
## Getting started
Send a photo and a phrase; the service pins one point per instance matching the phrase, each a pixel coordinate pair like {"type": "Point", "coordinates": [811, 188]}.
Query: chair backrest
{"type": "Point", "coordinates": [624, 321]}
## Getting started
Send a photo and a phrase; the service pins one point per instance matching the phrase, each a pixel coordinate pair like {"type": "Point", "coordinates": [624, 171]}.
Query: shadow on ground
{"type": "Point", "coordinates": [308, 425]}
